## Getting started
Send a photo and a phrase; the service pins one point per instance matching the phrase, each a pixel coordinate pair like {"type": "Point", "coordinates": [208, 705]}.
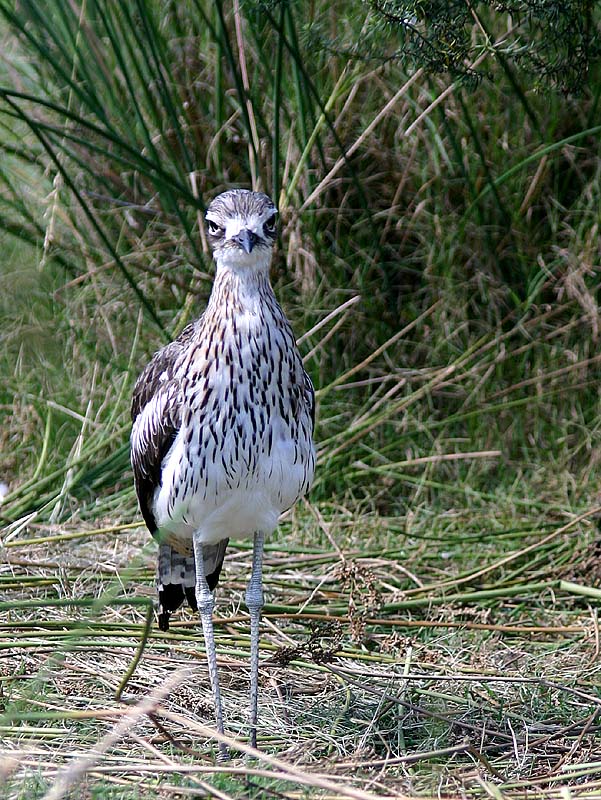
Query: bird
{"type": "Point", "coordinates": [222, 430]}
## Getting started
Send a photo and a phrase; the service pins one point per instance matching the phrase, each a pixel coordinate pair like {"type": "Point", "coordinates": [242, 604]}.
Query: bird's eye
{"type": "Point", "coordinates": [213, 227]}
{"type": "Point", "coordinates": [269, 226]}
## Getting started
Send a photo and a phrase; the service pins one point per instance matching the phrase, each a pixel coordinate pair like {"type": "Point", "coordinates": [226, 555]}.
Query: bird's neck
{"type": "Point", "coordinates": [241, 284]}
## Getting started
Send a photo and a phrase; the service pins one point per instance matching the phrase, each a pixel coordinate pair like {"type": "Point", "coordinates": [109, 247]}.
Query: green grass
{"type": "Point", "coordinates": [431, 627]}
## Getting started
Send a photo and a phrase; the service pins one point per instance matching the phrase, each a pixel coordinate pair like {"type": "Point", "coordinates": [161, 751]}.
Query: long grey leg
{"type": "Point", "coordinates": [206, 603]}
{"type": "Point", "coordinates": [254, 601]}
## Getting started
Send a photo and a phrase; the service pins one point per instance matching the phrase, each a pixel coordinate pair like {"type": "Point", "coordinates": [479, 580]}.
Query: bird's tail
{"type": "Point", "coordinates": [176, 577]}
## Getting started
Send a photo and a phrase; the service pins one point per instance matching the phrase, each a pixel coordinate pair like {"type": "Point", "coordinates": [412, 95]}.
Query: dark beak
{"type": "Point", "coordinates": [246, 239]}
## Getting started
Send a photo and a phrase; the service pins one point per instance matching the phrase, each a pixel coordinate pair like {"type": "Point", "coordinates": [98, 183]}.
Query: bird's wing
{"type": "Point", "coordinates": [156, 415]}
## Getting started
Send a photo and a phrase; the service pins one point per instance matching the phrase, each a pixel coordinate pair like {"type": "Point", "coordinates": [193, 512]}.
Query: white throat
{"type": "Point", "coordinates": [243, 264]}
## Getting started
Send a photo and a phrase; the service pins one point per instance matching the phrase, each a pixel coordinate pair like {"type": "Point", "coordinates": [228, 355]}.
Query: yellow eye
{"type": "Point", "coordinates": [269, 226]}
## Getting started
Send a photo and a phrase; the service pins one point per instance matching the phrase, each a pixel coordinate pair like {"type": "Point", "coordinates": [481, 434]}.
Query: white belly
{"type": "Point", "coordinates": [231, 498]}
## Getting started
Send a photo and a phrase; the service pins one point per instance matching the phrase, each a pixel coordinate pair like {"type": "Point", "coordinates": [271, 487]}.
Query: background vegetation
{"type": "Point", "coordinates": [437, 170]}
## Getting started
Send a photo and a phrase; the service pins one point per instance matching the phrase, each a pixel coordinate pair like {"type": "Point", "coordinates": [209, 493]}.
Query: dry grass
{"type": "Point", "coordinates": [382, 675]}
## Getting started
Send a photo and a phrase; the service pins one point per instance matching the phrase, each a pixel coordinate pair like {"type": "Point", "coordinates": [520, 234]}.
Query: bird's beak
{"type": "Point", "coordinates": [246, 239]}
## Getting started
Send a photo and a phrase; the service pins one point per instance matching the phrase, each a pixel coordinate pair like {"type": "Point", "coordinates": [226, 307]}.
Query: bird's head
{"type": "Point", "coordinates": [241, 227]}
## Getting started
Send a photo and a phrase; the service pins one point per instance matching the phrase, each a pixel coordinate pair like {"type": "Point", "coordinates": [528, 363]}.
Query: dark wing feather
{"type": "Point", "coordinates": [176, 577]}
{"type": "Point", "coordinates": [156, 415]}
